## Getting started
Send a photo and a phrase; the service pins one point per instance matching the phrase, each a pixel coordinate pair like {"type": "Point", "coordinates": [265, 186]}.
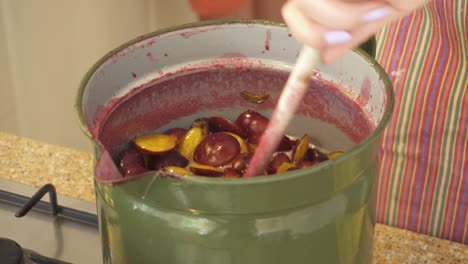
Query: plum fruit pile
{"type": "Point", "coordinates": [216, 147]}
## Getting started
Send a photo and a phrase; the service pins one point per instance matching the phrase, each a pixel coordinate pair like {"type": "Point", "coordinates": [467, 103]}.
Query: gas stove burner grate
{"type": "Point", "coordinates": [35, 202]}
{"type": "Point", "coordinates": [47, 188]}
{"type": "Point", "coordinates": [41, 226]}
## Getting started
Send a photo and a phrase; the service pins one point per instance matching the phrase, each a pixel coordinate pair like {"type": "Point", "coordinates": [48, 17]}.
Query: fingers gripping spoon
{"type": "Point", "coordinates": [288, 102]}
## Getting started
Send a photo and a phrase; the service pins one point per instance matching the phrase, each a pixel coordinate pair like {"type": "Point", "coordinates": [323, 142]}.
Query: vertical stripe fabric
{"type": "Point", "coordinates": [423, 183]}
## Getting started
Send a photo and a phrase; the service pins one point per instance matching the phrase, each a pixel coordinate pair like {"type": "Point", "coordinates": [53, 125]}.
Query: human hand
{"type": "Point", "coordinates": [334, 26]}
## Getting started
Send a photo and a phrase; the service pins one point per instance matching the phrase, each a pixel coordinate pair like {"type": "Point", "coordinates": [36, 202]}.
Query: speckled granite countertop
{"type": "Point", "coordinates": [36, 163]}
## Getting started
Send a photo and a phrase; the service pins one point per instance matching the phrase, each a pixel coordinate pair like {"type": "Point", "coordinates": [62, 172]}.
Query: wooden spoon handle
{"type": "Point", "coordinates": [288, 102]}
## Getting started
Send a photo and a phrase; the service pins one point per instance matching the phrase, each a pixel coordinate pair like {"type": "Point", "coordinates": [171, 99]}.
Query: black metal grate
{"type": "Point", "coordinates": [35, 203]}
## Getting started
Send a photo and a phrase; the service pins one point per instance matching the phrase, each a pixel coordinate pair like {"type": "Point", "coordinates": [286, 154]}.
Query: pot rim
{"type": "Point", "coordinates": [258, 179]}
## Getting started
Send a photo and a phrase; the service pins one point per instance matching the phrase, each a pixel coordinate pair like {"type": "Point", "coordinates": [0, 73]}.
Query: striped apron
{"type": "Point", "coordinates": [424, 154]}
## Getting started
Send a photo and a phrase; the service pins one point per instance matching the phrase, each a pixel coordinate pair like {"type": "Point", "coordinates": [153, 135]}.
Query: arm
{"type": "Point", "coordinates": [338, 25]}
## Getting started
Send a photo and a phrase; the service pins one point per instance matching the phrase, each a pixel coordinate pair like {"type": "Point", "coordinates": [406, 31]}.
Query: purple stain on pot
{"type": "Point", "coordinates": [117, 55]}
{"type": "Point", "coordinates": [148, 43]}
{"type": "Point", "coordinates": [364, 94]}
{"type": "Point", "coordinates": [131, 49]}
{"type": "Point", "coordinates": [150, 56]}
{"type": "Point", "coordinates": [233, 55]}
{"type": "Point", "coordinates": [194, 31]}
{"type": "Point", "coordinates": [267, 40]}
{"type": "Point", "coordinates": [133, 74]}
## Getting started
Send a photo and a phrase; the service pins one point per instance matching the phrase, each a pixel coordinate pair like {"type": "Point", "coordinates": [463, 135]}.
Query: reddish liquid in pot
{"type": "Point", "coordinates": [207, 92]}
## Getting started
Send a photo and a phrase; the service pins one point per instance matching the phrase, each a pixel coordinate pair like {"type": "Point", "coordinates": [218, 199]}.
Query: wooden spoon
{"type": "Point", "coordinates": [288, 102]}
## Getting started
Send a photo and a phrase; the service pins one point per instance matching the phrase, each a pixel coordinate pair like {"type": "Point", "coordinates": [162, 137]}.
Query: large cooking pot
{"type": "Point", "coordinates": [320, 214]}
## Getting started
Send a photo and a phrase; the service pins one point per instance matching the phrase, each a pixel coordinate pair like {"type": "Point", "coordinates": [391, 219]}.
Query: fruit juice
{"type": "Point", "coordinates": [327, 116]}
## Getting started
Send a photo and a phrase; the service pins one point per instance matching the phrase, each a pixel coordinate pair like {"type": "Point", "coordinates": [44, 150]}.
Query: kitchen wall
{"type": "Point", "coordinates": [47, 46]}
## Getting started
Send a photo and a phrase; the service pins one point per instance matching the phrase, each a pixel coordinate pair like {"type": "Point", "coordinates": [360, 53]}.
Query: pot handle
{"type": "Point", "coordinates": [369, 46]}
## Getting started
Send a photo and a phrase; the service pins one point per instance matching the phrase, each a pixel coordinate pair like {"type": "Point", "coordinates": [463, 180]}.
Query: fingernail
{"type": "Point", "coordinates": [335, 37]}
{"type": "Point", "coordinates": [376, 14]}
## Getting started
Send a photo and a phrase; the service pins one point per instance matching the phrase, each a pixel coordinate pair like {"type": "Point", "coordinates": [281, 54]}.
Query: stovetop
{"type": "Point", "coordinates": [69, 236]}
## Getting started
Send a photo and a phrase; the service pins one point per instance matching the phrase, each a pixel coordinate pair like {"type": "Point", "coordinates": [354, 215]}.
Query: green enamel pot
{"type": "Point", "coordinates": [319, 214]}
